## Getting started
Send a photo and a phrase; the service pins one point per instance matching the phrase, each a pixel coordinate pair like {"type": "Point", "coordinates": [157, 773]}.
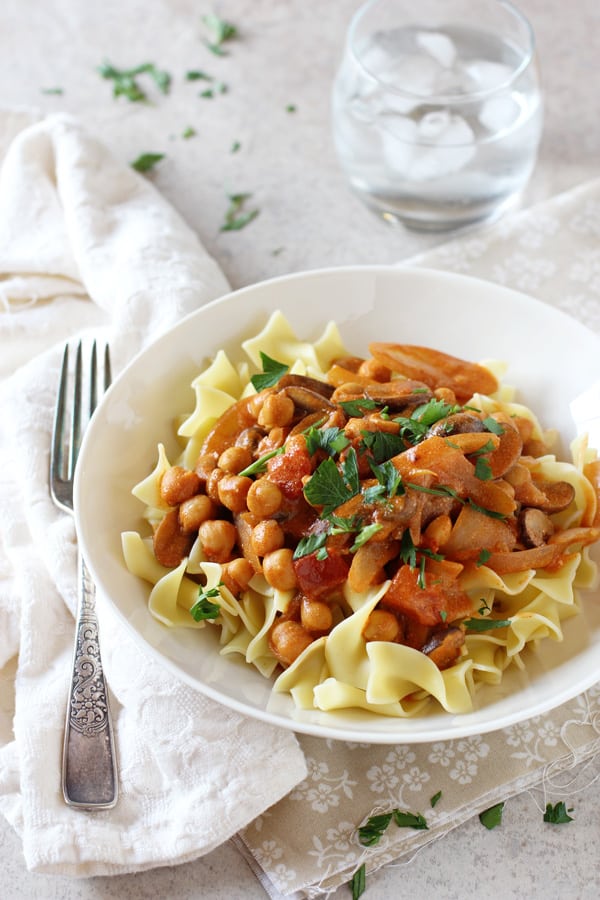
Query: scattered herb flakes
{"type": "Point", "coordinates": [272, 371]}
{"type": "Point", "coordinates": [364, 535]}
{"type": "Point", "coordinates": [235, 147]}
{"type": "Point", "coordinates": [312, 543]}
{"type": "Point", "coordinates": [493, 816]}
{"type": "Point", "coordinates": [435, 799]}
{"type": "Point", "coordinates": [493, 426]}
{"type": "Point", "coordinates": [57, 91]}
{"type": "Point", "coordinates": [358, 882]}
{"type": "Point", "coordinates": [410, 820]}
{"type": "Point", "coordinates": [236, 217]}
{"type": "Point", "coordinates": [277, 251]}
{"type": "Point", "coordinates": [483, 557]}
{"type": "Point", "coordinates": [204, 608]}
{"type": "Point", "coordinates": [125, 82]}
{"type": "Point", "coordinates": [197, 75]}
{"type": "Point", "coordinates": [291, 108]}
{"type": "Point", "coordinates": [221, 31]}
{"type": "Point", "coordinates": [557, 814]}
{"type": "Point", "coordinates": [188, 133]}
{"type": "Point", "coordinates": [374, 828]}
{"type": "Point", "coordinates": [146, 161]}
{"type": "Point", "coordinates": [219, 88]}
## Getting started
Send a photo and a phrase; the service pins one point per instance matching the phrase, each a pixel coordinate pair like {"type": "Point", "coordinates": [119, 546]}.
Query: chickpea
{"type": "Point", "coordinates": [234, 459]}
{"type": "Point", "coordinates": [195, 511]}
{"type": "Point", "coordinates": [267, 536]}
{"type": "Point", "coordinates": [255, 403]}
{"type": "Point", "coordinates": [205, 464]}
{"type": "Point", "coordinates": [438, 531]}
{"type": "Point", "coordinates": [217, 537]}
{"type": "Point", "coordinates": [233, 490]}
{"type": "Point", "coordinates": [278, 569]}
{"type": "Point", "coordinates": [237, 574]}
{"type": "Point", "coordinates": [288, 640]}
{"type": "Point", "coordinates": [178, 484]}
{"type": "Point", "coordinates": [212, 484]}
{"type": "Point", "coordinates": [264, 497]}
{"type": "Point", "coordinates": [381, 626]}
{"type": "Point", "coordinates": [273, 440]}
{"type": "Point", "coordinates": [278, 409]}
{"type": "Point", "coordinates": [316, 615]}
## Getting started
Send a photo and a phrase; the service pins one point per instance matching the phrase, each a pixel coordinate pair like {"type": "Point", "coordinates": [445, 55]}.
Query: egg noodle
{"type": "Point", "coordinates": [432, 553]}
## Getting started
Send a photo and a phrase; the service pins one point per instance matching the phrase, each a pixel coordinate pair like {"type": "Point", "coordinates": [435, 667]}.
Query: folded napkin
{"type": "Point", "coordinates": [552, 252]}
{"type": "Point", "coordinates": [86, 245]}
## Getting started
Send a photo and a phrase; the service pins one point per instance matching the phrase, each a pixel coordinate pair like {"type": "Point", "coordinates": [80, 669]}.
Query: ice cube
{"type": "Point", "coordinates": [439, 46]}
{"type": "Point", "coordinates": [398, 142]}
{"type": "Point", "coordinates": [499, 113]}
{"type": "Point", "coordinates": [414, 74]}
{"type": "Point", "coordinates": [487, 75]}
{"type": "Point", "coordinates": [448, 144]}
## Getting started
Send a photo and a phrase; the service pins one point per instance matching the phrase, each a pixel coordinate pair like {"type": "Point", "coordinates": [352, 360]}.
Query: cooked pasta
{"type": "Point", "coordinates": [382, 533]}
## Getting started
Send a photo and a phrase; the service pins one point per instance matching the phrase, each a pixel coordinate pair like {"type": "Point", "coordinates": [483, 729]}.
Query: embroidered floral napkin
{"type": "Point", "coordinates": [552, 252]}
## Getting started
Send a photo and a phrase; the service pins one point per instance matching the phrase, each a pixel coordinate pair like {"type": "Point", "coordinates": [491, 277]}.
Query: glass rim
{"type": "Point", "coordinates": [526, 61]}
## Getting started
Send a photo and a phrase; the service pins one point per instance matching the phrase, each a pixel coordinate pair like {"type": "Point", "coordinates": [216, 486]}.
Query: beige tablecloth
{"type": "Point", "coordinates": [307, 843]}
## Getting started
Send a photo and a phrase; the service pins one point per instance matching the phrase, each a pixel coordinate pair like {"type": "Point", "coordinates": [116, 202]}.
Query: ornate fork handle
{"type": "Point", "coordinates": [89, 776]}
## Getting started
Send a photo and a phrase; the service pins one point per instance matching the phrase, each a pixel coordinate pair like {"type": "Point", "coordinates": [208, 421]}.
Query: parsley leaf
{"type": "Point", "coordinates": [236, 217]}
{"type": "Point", "coordinates": [350, 472]}
{"type": "Point", "coordinates": [557, 814]}
{"type": "Point", "coordinates": [357, 408]}
{"type": "Point", "coordinates": [146, 161]}
{"type": "Point", "coordinates": [415, 427]}
{"type": "Point", "coordinates": [364, 535]}
{"type": "Point", "coordinates": [492, 817]}
{"type": "Point", "coordinates": [271, 373]}
{"type": "Point", "coordinates": [204, 608]}
{"type": "Point", "coordinates": [410, 820]}
{"type": "Point", "coordinates": [372, 831]}
{"type": "Point", "coordinates": [493, 426]}
{"type": "Point", "coordinates": [332, 440]}
{"type": "Point", "coordinates": [358, 882]}
{"type": "Point", "coordinates": [197, 75]}
{"type": "Point", "coordinates": [310, 544]}
{"type": "Point", "coordinates": [485, 624]}
{"type": "Point", "coordinates": [326, 487]}
{"type": "Point", "coordinates": [189, 132]}
{"type": "Point", "coordinates": [388, 477]}
{"type": "Point", "coordinates": [382, 444]}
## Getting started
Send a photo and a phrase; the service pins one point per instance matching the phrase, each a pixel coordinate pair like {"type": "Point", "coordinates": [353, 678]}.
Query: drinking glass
{"type": "Point", "coordinates": [437, 109]}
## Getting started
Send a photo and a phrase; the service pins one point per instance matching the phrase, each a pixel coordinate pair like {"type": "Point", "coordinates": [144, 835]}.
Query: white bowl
{"type": "Point", "coordinates": [551, 359]}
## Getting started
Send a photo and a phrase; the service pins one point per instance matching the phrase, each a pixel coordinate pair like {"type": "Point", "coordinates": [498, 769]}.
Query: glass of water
{"type": "Point", "coordinates": [437, 109]}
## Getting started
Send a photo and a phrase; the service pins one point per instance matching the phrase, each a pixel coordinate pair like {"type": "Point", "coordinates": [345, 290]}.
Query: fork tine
{"type": "Point", "coordinates": [107, 368]}
{"type": "Point", "coordinates": [56, 447]}
{"type": "Point", "coordinates": [76, 413]}
{"type": "Point", "coordinates": [93, 379]}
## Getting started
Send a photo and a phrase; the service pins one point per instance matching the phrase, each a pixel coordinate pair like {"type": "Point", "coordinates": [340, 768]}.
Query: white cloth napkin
{"type": "Point", "coordinates": [87, 244]}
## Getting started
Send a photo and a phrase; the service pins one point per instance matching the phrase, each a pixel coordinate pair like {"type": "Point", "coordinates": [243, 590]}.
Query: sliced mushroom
{"type": "Point", "coordinates": [444, 646]}
{"type": "Point", "coordinates": [535, 527]}
{"type": "Point", "coordinates": [397, 394]}
{"type": "Point", "coordinates": [458, 423]}
{"type": "Point", "coordinates": [307, 399]}
{"type": "Point", "coordinates": [305, 381]}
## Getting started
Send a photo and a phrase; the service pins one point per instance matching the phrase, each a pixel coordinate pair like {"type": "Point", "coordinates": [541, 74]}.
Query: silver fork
{"type": "Point", "coordinates": [89, 772]}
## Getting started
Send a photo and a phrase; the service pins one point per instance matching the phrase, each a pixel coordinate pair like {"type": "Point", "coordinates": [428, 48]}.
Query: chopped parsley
{"type": "Point", "coordinates": [493, 426]}
{"type": "Point", "coordinates": [435, 799]}
{"type": "Point", "coordinates": [415, 427]}
{"type": "Point", "coordinates": [197, 75]}
{"type": "Point", "coordinates": [327, 486]}
{"type": "Point", "coordinates": [389, 478]}
{"type": "Point", "coordinates": [236, 216]}
{"type": "Point", "coordinates": [57, 91]}
{"type": "Point", "coordinates": [146, 161]}
{"type": "Point", "coordinates": [492, 817]}
{"type": "Point", "coordinates": [410, 820]}
{"type": "Point", "coordinates": [259, 465]}
{"type": "Point", "coordinates": [204, 608]}
{"type": "Point", "coordinates": [484, 555]}
{"type": "Point", "coordinates": [373, 830]}
{"type": "Point", "coordinates": [235, 147]}
{"type": "Point", "coordinates": [382, 444]}
{"type": "Point", "coordinates": [220, 32]}
{"type": "Point", "coordinates": [331, 440]}
{"type": "Point", "coordinates": [310, 544]}
{"type": "Point", "coordinates": [126, 84]}
{"type": "Point", "coordinates": [557, 814]}
{"type": "Point", "coordinates": [364, 535]}
{"type": "Point", "coordinates": [358, 407]}
{"type": "Point", "coordinates": [188, 133]}
{"type": "Point", "coordinates": [485, 624]}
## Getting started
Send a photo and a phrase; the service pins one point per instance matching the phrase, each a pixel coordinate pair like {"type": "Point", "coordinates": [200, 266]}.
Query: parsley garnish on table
{"type": "Point", "coordinates": [236, 216]}
{"type": "Point", "coordinates": [557, 814]}
{"type": "Point", "coordinates": [492, 817]}
{"type": "Point", "coordinates": [146, 161]}
{"type": "Point", "coordinates": [126, 83]}
{"type": "Point", "coordinates": [220, 31]}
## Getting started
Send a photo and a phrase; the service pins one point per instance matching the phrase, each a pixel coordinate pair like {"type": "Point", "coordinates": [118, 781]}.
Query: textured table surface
{"type": "Point", "coordinates": [276, 108]}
